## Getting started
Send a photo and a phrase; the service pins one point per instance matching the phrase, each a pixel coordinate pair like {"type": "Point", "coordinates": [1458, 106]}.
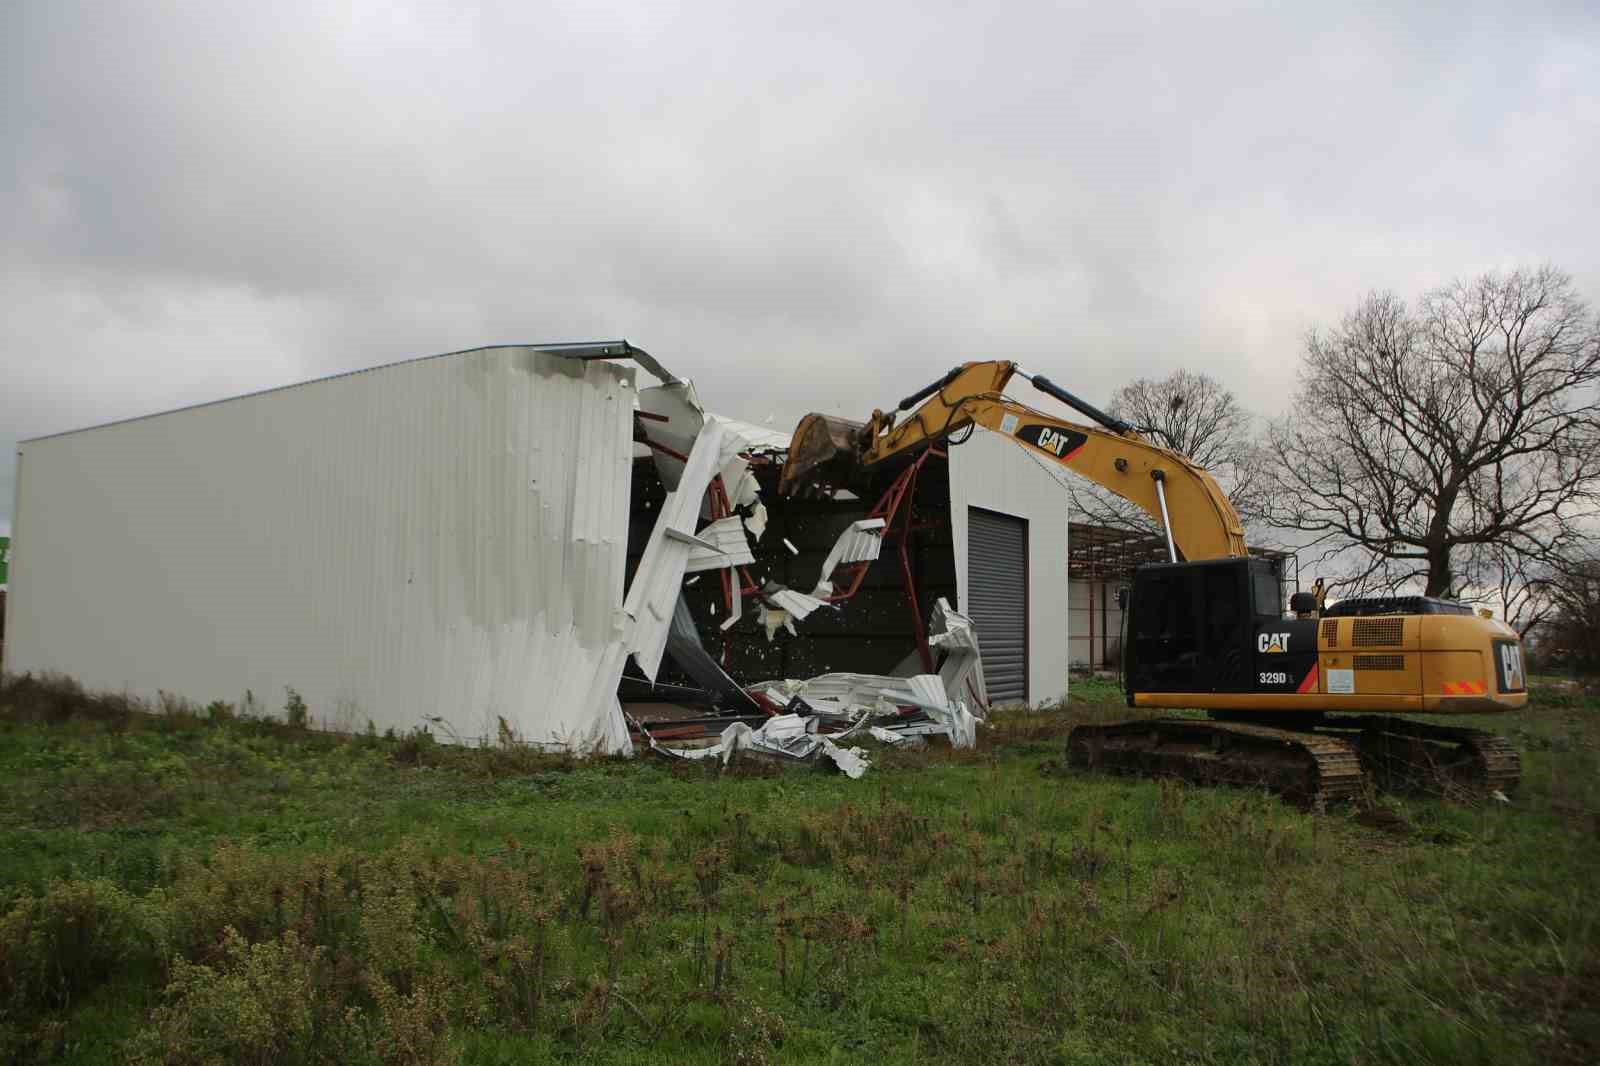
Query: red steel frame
{"type": "Point", "coordinates": [903, 487]}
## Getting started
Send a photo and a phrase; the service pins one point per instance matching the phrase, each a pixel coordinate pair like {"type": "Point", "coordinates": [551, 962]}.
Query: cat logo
{"type": "Point", "coordinates": [1508, 665]}
{"type": "Point", "coordinates": [1050, 440]}
{"type": "Point", "coordinates": [1272, 643]}
{"type": "Point", "coordinates": [1061, 443]}
{"type": "Point", "coordinates": [1511, 665]}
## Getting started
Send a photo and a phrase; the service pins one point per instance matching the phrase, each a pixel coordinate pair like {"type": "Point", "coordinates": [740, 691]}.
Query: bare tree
{"type": "Point", "coordinates": [1435, 441]}
{"type": "Point", "coordinates": [1569, 632]}
{"type": "Point", "coordinates": [1194, 415]}
{"type": "Point", "coordinates": [1190, 413]}
{"type": "Point", "coordinates": [1522, 586]}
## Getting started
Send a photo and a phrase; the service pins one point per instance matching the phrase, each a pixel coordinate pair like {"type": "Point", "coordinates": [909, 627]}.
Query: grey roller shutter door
{"type": "Point", "coordinates": [997, 594]}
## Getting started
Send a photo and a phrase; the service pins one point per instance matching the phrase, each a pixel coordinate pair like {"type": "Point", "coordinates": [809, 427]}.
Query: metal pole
{"type": "Point", "coordinates": [1166, 519]}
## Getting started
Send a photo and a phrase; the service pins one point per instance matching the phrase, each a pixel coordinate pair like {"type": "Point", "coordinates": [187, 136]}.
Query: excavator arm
{"type": "Point", "coordinates": [1182, 497]}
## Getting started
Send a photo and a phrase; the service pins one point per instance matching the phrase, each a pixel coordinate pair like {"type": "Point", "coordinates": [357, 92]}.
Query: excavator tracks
{"type": "Point", "coordinates": [1448, 760]}
{"type": "Point", "coordinates": [1305, 767]}
{"type": "Point", "coordinates": [1317, 766]}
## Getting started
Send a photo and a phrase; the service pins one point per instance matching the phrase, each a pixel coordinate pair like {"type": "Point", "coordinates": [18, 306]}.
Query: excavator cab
{"type": "Point", "coordinates": [1215, 626]}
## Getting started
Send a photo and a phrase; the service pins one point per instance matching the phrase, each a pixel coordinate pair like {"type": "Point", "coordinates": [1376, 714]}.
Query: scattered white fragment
{"type": "Point", "coordinates": [787, 543]}
{"type": "Point", "coordinates": [851, 761]}
{"type": "Point", "coordinates": [861, 543]}
{"type": "Point", "coordinates": [685, 537]}
{"type": "Point", "coordinates": [725, 546]}
{"type": "Point", "coordinates": [757, 522]}
{"type": "Point", "coordinates": [962, 671]}
{"type": "Point", "coordinates": [889, 736]}
{"type": "Point", "coordinates": [959, 723]}
{"type": "Point", "coordinates": [741, 439]}
{"type": "Point", "coordinates": [736, 608]}
{"type": "Point", "coordinates": [796, 603]}
{"type": "Point", "coordinates": [746, 491]}
{"type": "Point", "coordinates": [1500, 797]}
{"type": "Point", "coordinates": [784, 727]}
{"type": "Point", "coordinates": [772, 619]}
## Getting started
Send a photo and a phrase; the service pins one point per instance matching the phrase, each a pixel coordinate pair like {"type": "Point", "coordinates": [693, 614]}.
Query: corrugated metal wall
{"type": "Point", "coordinates": [440, 537]}
{"type": "Point", "coordinates": [994, 474]}
{"type": "Point", "coordinates": [997, 577]}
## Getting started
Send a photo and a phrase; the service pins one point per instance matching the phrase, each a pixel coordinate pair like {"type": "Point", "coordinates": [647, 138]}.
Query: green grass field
{"type": "Point", "coordinates": [192, 887]}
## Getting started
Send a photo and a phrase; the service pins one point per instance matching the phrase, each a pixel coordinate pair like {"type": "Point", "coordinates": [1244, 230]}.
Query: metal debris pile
{"type": "Point", "coordinates": [822, 712]}
{"type": "Point", "coordinates": [704, 463]}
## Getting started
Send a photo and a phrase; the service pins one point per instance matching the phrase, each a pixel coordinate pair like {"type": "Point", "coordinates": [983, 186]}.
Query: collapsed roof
{"type": "Point", "coordinates": [713, 520]}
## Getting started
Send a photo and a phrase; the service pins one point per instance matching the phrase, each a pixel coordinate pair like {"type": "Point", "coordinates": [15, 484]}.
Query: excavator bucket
{"type": "Point", "coordinates": [823, 456]}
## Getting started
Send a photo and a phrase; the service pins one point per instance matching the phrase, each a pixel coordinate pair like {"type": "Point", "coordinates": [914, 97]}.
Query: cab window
{"type": "Point", "coordinates": [1268, 593]}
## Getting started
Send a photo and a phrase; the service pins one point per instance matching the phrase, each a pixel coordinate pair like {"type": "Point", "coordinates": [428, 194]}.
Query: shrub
{"type": "Point", "coordinates": [269, 1002]}
{"type": "Point", "coordinates": [391, 932]}
{"type": "Point", "coordinates": [106, 794]}
{"type": "Point", "coordinates": [416, 748]}
{"type": "Point", "coordinates": [257, 894]}
{"type": "Point", "coordinates": [295, 712]}
{"type": "Point", "coordinates": [176, 712]}
{"type": "Point", "coordinates": [55, 947]}
{"type": "Point", "coordinates": [55, 698]}
{"type": "Point", "coordinates": [754, 1035]}
{"type": "Point", "coordinates": [415, 1030]}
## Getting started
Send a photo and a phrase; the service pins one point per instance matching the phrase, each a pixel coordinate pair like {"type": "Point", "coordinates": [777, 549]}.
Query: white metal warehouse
{"type": "Point", "coordinates": [444, 539]}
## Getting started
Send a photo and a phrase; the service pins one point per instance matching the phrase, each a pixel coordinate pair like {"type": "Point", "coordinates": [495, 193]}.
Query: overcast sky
{"type": "Point", "coordinates": [801, 206]}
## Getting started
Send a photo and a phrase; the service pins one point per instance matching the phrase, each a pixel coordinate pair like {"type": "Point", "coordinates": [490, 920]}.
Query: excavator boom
{"type": "Point", "coordinates": [830, 453]}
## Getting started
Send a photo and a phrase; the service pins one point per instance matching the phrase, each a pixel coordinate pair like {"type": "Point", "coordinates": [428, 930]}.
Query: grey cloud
{"type": "Point", "coordinates": [802, 205]}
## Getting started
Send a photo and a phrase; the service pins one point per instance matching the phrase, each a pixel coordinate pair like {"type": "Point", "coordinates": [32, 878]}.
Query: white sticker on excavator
{"type": "Point", "coordinates": [1342, 681]}
{"type": "Point", "coordinates": [1008, 423]}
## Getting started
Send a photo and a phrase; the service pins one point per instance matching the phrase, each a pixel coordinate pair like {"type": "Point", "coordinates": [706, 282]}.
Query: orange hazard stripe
{"type": "Point", "coordinates": [1309, 682]}
{"type": "Point", "coordinates": [1463, 688]}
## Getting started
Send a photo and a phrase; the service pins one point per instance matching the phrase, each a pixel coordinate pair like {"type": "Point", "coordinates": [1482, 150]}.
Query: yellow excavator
{"type": "Point", "coordinates": [1305, 703]}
